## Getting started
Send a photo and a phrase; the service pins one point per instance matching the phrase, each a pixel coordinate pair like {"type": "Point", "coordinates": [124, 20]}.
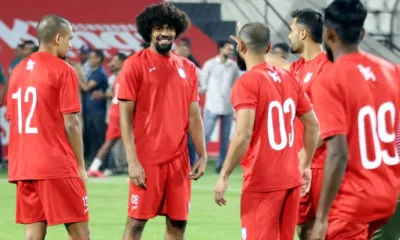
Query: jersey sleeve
{"type": "Point", "coordinates": [330, 106]}
{"type": "Point", "coordinates": [303, 102]}
{"type": "Point", "coordinates": [129, 79]}
{"type": "Point", "coordinates": [195, 86]}
{"type": "Point", "coordinates": [69, 92]}
{"type": "Point", "coordinates": [244, 93]}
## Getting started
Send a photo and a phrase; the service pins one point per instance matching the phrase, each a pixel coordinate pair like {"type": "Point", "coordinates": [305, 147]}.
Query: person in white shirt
{"type": "Point", "coordinates": [217, 77]}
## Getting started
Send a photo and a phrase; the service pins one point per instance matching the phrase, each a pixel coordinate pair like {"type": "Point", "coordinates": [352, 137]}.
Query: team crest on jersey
{"type": "Point", "coordinates": [182, 73]}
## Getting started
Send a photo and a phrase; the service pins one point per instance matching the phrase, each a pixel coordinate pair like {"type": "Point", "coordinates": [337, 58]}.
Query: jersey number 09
{"type": "Point", "coordinates": [29, 96]}
{"type": "Point", "coordinates": [379, 131]}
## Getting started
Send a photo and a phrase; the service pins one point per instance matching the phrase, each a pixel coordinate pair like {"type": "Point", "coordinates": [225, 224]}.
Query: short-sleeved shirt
{"type": "Point", "coordinates": [306, 72]}
{"type": "Point", "coordinates": [163, 88]}
{"type": "Point", "coordinates": [41, 89]}
{"type": "Point", "coordinates": [360, 99]}
{"type": "Point", "coordinates": [271, 162]}
{"type": "Point", "coordinates": [114, 107]}
{"type": "Point", "coordinates": [96, 106]}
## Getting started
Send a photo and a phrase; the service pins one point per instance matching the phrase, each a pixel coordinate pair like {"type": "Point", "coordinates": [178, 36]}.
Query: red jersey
{"type": "Point", "coordinates": [360, 99]}
{"type": "Point", "coordinates": [306, 72]}
{"type": "Point", "coordinates": [114, 108]}
{"type": "Point", "coordinates": [163, 88]}
{"type": "Point", "coordinates": [271, 159]}
{"type": "Point", "coordinates": [41, 89]}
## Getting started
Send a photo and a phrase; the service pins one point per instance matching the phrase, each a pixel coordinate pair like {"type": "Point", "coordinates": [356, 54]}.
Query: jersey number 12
{"type": "Point", "coordinates": [29, 96]}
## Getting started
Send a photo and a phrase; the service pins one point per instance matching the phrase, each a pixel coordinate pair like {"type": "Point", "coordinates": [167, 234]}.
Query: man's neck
{"type": "Point", "coordinates": [48, 49]}
{"type": "Point", "coordinates": [311, 51]}
{"type": "Point", "coordinates": [344, 50]}
{"type": "Point", "coordinates": [254, 60]}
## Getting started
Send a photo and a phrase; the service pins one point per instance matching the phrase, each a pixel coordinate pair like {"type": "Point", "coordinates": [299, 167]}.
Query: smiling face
{"type": "Point", "coordinates": [162, 38]}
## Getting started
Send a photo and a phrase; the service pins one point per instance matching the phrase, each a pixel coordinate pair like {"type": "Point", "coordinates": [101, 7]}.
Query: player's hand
{"type": "Point", "coordinates": [220, 189]}
{"type": "Point", "coordinates": [97, 95]}
{"type": "Point", "coordinates": [234, 38]}
{"type": "Point", "coordinates": [306, 184]}
{"type": "Point", "coordinates": [84, 176]}
{"type": "Point", "coordinates": [319, 230]}
{"type": "Point", "coordinates": [137, 175]}
{"type": "Point", "coordinates": [198, 168]}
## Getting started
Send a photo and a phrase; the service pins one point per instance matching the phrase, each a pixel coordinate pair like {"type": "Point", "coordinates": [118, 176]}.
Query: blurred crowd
{"type": "Point", "coordinates": [97, 74]}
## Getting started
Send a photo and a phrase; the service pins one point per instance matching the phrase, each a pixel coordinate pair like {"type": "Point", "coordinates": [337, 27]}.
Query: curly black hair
{"type": "Point", "coordinates": [161, 14]}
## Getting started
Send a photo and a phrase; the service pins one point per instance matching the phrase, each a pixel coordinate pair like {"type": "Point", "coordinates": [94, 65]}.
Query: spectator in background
{"type": "Point", "coordinates": [218, 75]}
{"type": "Point", "coordinates": [84, 52]}
{"type": "Point", "coordinates": [2, 76]}
{"type": "Point", "coordinates": [186, 42]}
{"type": "Point", "coordinates": [184, 51]}
{"type": "Point", "coordinates": [94, 111]}
{"type": "Point", "coordinates": [281, 50]}
{"type": "Point", "coordinates": [28, 47]}
{"type": "Point", "coordinates": [23, 50]}
{"type": "Point", "coordinates": [113, 131]}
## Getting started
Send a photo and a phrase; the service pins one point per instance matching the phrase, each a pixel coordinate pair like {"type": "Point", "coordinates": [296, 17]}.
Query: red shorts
{"type": "Point", "coordinates": [309, 203]}
{"type": "Point", "coordinates": [167, 193]}
{"type": "Point", "coordinates": [55, 201]}
{"type": "Point", "coordinates": [270, 215]}
{"type": "Point", "coordinates": [113, 129]}
{"type": "Point", "coordinates": [339, 229]}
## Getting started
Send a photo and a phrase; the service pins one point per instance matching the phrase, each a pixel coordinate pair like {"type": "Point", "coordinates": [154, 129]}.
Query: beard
{"type": "Point", "coordinates": [163, 49]}
{"type": "Point", "coordinates": [329, 52]}
{"type": "Point", "coordinates": [241, 63]}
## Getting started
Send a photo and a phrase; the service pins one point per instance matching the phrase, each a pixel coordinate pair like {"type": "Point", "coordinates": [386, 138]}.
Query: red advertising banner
{"type": "Point", "coordinates": [106, 25]}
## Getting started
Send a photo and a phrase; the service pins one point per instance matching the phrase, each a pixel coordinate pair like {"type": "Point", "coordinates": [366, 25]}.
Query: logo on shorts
{"type": "Point", "coordinates": [85, 204]}
{"type": "Point", "coordinates": [134, 201]}
{"type": "Point", "coordinates": [244, 234]}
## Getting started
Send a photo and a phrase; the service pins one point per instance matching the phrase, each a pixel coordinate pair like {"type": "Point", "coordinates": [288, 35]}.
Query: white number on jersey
{"type": "Point", "coordinates": [115, 98]}
{"type": "Point", "coordinates": [379, 133]}
{"type": "Point", "coordinates": [30, 91]}
{"type": "Point", "coordinates": [286, 139]}
{"type": "Point", "coordinates": [366, 72]}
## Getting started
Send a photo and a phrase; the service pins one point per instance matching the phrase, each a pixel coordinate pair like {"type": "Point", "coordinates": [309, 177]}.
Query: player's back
{"type": "Point", "coordinates": [371, 94]}
{"type": "Point", "coordinates": [271, 162]}
{"type": "Point", "coordinates": [39, 93]}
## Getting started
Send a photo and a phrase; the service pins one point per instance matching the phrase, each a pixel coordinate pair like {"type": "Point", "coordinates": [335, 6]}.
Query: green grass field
{"type": "Point", "coordinates": [108, 208]}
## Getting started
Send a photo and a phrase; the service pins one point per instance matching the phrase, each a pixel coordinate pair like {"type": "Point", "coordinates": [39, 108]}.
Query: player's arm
{"type": "Point", "coordinates": [73, 130]}
{"type": "Point", "coordinates": [240, 141]}
{"type": "Point", "coordinates": [277, 61]}
{"type": "Point", "coordinates": [335, 167]}
{"type": "Point", "coordinates": [310, 138]}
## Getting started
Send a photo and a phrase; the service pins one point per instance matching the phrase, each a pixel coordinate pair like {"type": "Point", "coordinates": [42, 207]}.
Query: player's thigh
{"type": "Point", "coordinates": [64, 200]}
{"type": "Point", "coordinates": [339, 229]}
{"type": "Point", "coordinates": [260, 214]}
{"type": "Point", "coordinates": [289, 213]}
{"type": "Point", "coordinates": [29, 208]}
{"type": "Point", "coordinates": [178, 189]}
{"type": "Point", "coordinates": [143, 203]}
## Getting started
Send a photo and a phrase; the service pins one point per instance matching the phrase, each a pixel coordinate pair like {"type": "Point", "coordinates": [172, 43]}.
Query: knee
{"type": "Point", "coordinates": [176, 228]}
{"type": "Point", "coordinates": [30, 235]}
{"type": "Point", "coordinates": [135, 227]}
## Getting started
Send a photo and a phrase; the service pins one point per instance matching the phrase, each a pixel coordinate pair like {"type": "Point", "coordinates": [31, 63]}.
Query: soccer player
{"type": "Point", "coordinates": [305, 39]}
{"type": "Point", "coordinates": [158, 106]}
{"type": "Point", "coordinates": [267, 100]}
{"type": "Point", "coordinates": [358, 105]}
{"type": "Point", "coordinates": [45, 151]}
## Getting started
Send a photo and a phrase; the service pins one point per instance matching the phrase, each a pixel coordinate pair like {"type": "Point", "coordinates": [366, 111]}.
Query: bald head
{"type": "Point", "coordinates": [256, 37]}
{"type": "Point", "coordinates": [50, 26]}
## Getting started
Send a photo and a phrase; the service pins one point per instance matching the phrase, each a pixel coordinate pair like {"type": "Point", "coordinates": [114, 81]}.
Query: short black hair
{"type": "Point", "coordinates": [347, 17]}
{"type": "Point", "coordinates": [35, 49]}
{"type": "Point", "coordinates": [312, 20]}
{"type": "Point", "coordinates": [221, 44]}
{"type": "Point", "coordinates": [161, 14]}
{"type": "Point", "coordinates": [49, 27]}
{"type": "Point", "coordinates": [99, 53]}
{"type": "Point", "coordinates": [122, 56]}
{"type": "Point", "coordinates": [256, 36]}
{"type": "Point", "coordinates": [282, 46]}
{"type": "Point", "coordinates": [28, 42]}
{"type": "Point", "coordinates": [20, 45]}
